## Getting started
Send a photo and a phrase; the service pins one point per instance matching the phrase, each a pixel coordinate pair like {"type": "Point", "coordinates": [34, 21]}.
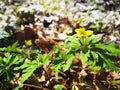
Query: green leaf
{"type": "Point", "coordinates": [58, 87]}
{"type": "Point", "coordinates": [3, 49]}
{"type": "Point", "coordinates": [13, 47]}
{"type": "Point", "coordinates": [57, 69]}
{"type": "Point", "coordinates": [109, 63]}
{"type": "Point", "coordinates": [43, 58]}
{"type": "Point", "coordinates": [13, 61]}
{"type": "Point", "coordinates": [17, 88]}
{"type": "Point", "coordinates": [20, 58]}
{"type": "Point", "coordinates": [73, 43]}
{"type": "Point", "coordinates": [95, 68]}
{"type": "Point", "coordinates": [109, 47]}
{"type": "Point", "coordinates": [94, 55]}
{"type": "Point", "coordinates": [29, 71]}
{"type": "Point", "coordinates": [84, 56]}
{"type": "Point", "coordinates": [7, 58]}
{"type": "Point", "coordinates": [68, 63]}
{"type": "Point", "coordinates": [92, 66]}
{"type": "Point", "coordinates": [94, 39]}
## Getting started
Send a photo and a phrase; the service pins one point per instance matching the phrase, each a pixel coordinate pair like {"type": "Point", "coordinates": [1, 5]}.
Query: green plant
{"type": "Point", "coordinates": [98, 26]}
{"type": "Point", "coordinates": [8, 62]}
{"type": "Point", "coordinates": [93, 52]}
{"type": "Point", "coordinates": [29, 67]}
{"type": "Point", "coordinates": [61, 61]}
{"type": "Point", "coordinates": [15, 61]}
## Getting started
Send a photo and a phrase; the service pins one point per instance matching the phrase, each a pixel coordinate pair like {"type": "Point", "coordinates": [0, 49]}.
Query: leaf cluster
{"type": "Point", "coordinates": [16, 63]}
{"type": "Point", "coordinates": [61, 61]}
{"type": "Point", "coordinates": [97, 54]}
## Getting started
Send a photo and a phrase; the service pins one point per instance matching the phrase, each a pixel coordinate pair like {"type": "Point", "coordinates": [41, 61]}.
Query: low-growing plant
{"type": "Point", "coordinates": [8, 63]}
{"type": "Point", "coordinates": [61, 61]}
{"type": "Point", "coordinates": [9, 60]}
{"type": "Point", "coordinates": [98, 26]}
{"type": "Point", "coordinates": [29, 67]}
{"type": "Point", "coordinates": [92, 51]}
{"type": "Point", "coordinates": [15, 63]}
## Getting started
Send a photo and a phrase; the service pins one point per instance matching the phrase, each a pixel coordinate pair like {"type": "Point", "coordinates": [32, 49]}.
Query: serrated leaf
{"type": "Point", "coordinates": [110, 48]}
{"type": "Point", "coordinates": [95, 68]}
{"type": "Point", "coordinates": [92, 66]}
{"type": "Point", "coordinates": [29, 71]}
{"type": "Point", "coordinates": [94, 39]}
{"type": "Point", "coordinates": [57, 69]}
{"type": "Point", "coordinates": [109, 63]}
{"type": "Point", "coordinates": [68, 63]}
{"type": "Point", "coordinates": [113, 50]}
{"type": "Point", "coordinates": [73, 43]}
{"type": "Point", "coordinates": [95, 55]}
{"type": "Point", "coordinates": [43, 58]}
{"type": "Point", "coordinates": [21, 59]}
{"type": "Point", "coordinates": [13, 47]}
{"type": "Point", "coordinates": [13, 61]}
{"type": "Point", "coordinates": [27, 75]}
{"type": "Point", "coordinates": [7, 58]}
{"type": "Point", "coordinates": [3, 49]}
{"type": "Point", "coordinates": [24, 65]}
{"type": "Point", "coordinates": [84, 56]}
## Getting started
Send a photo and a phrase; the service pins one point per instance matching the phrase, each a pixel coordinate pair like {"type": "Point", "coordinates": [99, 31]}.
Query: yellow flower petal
{"type": "Point", "coordinates": [75, 35]}
{"type": "Point", "coordinates": [28, 42]}
{"type": "Point", "coordinates": [81, 32]}
{"type": "Point", "coordinates": [88, 33]}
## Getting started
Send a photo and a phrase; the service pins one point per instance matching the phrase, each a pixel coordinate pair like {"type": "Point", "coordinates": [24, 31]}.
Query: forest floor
{"type": "Point", "coordinates": [54, 21]}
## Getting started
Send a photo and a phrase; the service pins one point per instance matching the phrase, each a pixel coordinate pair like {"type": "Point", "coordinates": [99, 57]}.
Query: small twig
{"type": "Point", "coordinates": [35, 86]}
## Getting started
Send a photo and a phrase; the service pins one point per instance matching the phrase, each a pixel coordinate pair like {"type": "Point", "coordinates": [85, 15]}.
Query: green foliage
{"type": "Point", "coordinates": [97, 54]}
{"type": "Point", "coordinates": [73, 43]}
{"type": "Point", "coordinates": [20, 63]}
{"type": "Point", "coordinates": [58, 87]}
{"type": "Point", "coordinates": [10, 58]}
{"type": "Point", "coordinates": [98, 26]}
{"type": "Point", "coordinates": [62, 61]}
{"type": "Point", "coordinates": [29, 67]}
{"type": "Point", "coordinates": [12, 61]}
{"type": "Point", "coordinates": [8, 62]}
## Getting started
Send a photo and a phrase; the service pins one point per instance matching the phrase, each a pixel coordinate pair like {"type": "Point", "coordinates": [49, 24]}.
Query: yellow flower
{"type": "Point", "coordinates": [28, 42]}
{"type": "Point", "coordinates": [81, 32]}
